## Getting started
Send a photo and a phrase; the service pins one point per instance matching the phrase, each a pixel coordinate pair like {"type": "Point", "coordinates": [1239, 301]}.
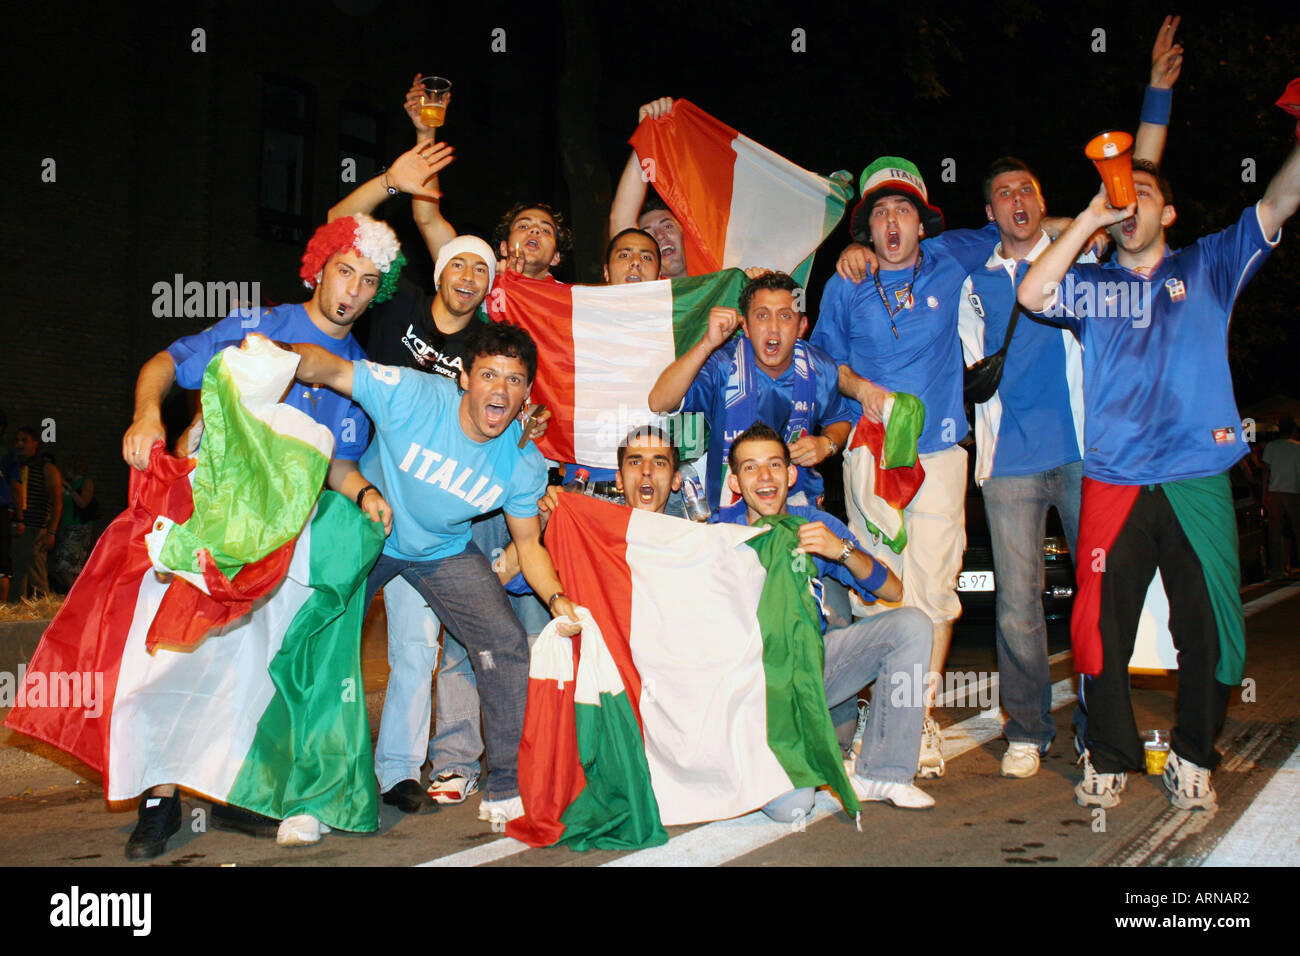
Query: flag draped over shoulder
{"type": "Point", "coordinates": [882, 472]}
{"type": "Point", "coordinates": [267, 712]}
{"type": "Point", "coordinates": [739, 203]}
{"type": "Point", "coordinates": [255, 481]}
{"type": "Point", "coordinates": [715, 639]}
{"type": "Point", "coordinates": [600, 350]}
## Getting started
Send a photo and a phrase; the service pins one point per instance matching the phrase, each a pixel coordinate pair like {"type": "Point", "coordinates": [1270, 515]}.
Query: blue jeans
{"type": "Point", "coordinates": [893, 650]}
{"type": "Point", "coordinates": [1016, 506]}
{"type": "Point", "coordinates": [412, 652]}
{"type": "Point", "coordinates": [466, 596]}
{"type": "Point", "coordinates": [457, 744]}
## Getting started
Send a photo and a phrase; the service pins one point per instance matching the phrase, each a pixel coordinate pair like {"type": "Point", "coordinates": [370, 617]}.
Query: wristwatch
{"type": "Point", "coordinates": [834, 447]}
{"type": "Point", "coordinates": [849, 548]}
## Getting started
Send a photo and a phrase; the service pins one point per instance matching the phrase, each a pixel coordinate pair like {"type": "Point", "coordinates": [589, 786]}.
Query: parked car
{"type": "Point", "coordinates": [977, 582]}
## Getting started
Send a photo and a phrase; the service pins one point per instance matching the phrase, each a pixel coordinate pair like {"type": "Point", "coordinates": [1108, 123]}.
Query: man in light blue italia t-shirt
{"type": "Point", "coordinates": [1161, 431]}
{"type": "Point", "coordinates": [443, 455]}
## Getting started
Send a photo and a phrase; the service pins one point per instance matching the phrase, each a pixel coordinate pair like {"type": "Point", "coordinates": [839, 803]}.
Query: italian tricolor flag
{"type": "Point", "coordinates": [266, 710]}
{"type": "Point", "coordinates": [739, 203]}
{"type": "Point", "coordinates": [601, 349]}
{"type": "Point", "coordinates": [716, 642]}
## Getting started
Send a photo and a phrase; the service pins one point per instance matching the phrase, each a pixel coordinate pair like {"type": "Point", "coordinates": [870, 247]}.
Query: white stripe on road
{"type": "Point", "coordinates": [1271, 598]}
{"type": "Point", "coordinates": [483, 853]}
{"type": "Point", "coordinates": [1266, 835]}
{"type": "Point", "coordinates": [716, 843]}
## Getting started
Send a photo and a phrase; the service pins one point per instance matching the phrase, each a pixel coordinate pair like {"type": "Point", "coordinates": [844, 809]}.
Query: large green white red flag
{"type": "Point", "coordinates": [600, 350]}
{"type": "Point", "coordinates": [739, 203]}
{"type": "Point", "coordinates": [267, 711]}
{"type": "Point", "coordinates": [716, 639]}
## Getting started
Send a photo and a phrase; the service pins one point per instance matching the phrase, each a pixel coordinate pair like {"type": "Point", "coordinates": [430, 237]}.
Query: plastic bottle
{"type": "Point", "coordinates": [697, 502]}
{"type": "Point", "coordinates": [580, 481]}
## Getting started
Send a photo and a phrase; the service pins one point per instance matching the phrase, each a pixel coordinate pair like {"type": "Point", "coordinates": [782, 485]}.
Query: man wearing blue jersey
{"type": "Point", "coordinates": [443, 457]}
{"type": "Point", "coordinates": [1162, 429]}
{"type": "Point", "coordinates": [888, 649]}
{"type": "Point", "coordinates": [770, 374]}
{"type": "Point", "coordinates": [897, 332]}
{"type": "Point", "coordinates": [349, 263]}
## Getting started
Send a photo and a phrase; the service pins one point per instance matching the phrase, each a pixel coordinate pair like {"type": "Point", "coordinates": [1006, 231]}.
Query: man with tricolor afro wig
{"type": "Point", "coordinates": [368, 238]}
{"type": "Point", "coordinates": [349, 263]}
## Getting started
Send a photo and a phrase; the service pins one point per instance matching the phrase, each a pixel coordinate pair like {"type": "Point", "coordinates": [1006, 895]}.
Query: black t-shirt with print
{"type": "Point", "coordinates": [402, 333]}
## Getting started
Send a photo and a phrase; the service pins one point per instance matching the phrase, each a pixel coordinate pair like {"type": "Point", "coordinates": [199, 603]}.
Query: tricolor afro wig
{"type": "Point", "coordinates": [366, 237]}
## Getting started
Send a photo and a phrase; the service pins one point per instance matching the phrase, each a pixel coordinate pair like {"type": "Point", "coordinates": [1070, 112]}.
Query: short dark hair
{"type": "Point", "coordinates": [1286, 426]}
{"type": "Point", "coordinates": [759, 431]}
{"type": "Point", "coordinates": [653, 202]}
{"type": "Point", "coordinates": [1005, 164]}
{"type": "Point", "coordinates": [1166, 191]}
{"type": "Point", "coordinates": [563, 234]}
{"type": "Point", "coordinates": [649, 431]}
{"type": "Point", "coordinates": [609, 249]}
{"type": "Point", "coordinates": [501, 338]}
{"type": "Point", "coordinates": [768, 280]}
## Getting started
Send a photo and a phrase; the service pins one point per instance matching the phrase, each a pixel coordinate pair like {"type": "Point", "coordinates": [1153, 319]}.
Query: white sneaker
{"type": "Point", "coordinates": [903, 795]}
{"type": "Point", "coordinates": [501, 810]}
{"type": "Point", "coordinates": [451, 788]}
{"type": "Point", "coordinates": [864, 708]}
{"type": "Point", "coordinates": [1189, 786]}
{"type": "Point", "coordinates": [1021, 759]}
{"type": "Point", "coordinates": [1098, 789]}
{"type": "Point", "coordinates": [300, 830]}
{"type": "Point", "coordinates": [930, 763]}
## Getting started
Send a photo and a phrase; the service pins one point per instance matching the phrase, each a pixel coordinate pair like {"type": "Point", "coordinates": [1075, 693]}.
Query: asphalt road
{"type": "Point", "coordinates": [52, 811]}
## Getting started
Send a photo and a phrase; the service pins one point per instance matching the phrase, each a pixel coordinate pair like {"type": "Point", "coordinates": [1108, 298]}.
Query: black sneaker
{"type": "Point", "coordinates": [409, 797]}
{"type": "Point", "coordinates": [160, 817]}
{"type": "Point", "coordinates": [226, 817]}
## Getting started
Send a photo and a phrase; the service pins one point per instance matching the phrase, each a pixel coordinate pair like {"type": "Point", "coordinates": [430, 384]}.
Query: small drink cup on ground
{"type": "Point", "coordinates": [1112, 153]}
{"type": "Point", "coordinates": [1156, 750]}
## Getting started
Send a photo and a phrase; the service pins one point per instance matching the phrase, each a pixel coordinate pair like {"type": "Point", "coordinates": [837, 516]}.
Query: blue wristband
{"type": "Point", "coordinates": [1156, 105]}
{"type": "Point", "coordinates": [877, 578]}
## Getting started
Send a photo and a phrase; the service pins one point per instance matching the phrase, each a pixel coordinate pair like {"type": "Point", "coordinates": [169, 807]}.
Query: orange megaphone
{"type": "Point", "coordinates": [1112, 153]}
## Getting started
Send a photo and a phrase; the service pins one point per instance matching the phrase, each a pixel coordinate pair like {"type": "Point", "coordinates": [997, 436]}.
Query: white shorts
{"type": "Point", "coordinates": [936, 537]}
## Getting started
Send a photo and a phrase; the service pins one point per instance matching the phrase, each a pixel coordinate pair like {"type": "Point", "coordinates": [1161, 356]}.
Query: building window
{"type": "Point", "coordinates": [360, 140]}
{"type": "Point", "coordinates": [288, 130]}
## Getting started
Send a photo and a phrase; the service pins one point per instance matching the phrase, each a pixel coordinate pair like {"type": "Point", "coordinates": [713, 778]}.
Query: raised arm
{"type": "Point", "coordinates": [625, 210]}
{"type": "Point", "coordinates": [675, 381]}
{"type": "Point", "coordinates": [1166, 65]}
{"type": "Point", "coordinates": [1282, 196]}
{"type": "Point", "coordinates": [151, 387]}
{"type": "Point", "coordinates": [1050, 267]}
{"type": "Point", "coordinates": [413, 172]}
{"type": "Point", "coordinates": [427, 210]}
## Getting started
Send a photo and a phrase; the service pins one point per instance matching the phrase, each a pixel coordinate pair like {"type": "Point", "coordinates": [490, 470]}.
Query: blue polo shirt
{"type": "Point", "coordinates": [774, 401]}
{"type": "Point", "coordinates": [1034, 422]}
{"type": "Point", "coordinates": [1157, 387]}
{"type": "Point", "coordinates": [285, 323]}
{"type": "Point", "coordinates": [433, 475]}
{"type": "Point", "coordinates": [924, 357]}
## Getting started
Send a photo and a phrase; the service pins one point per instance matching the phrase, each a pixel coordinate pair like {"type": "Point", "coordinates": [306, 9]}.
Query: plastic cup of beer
{"type": "Point", "coordinates": [433, 101]}
{"type": "Point", "coordinates": [1155, 747]}
{"type": "Point", "coordinates": [1112, 153]}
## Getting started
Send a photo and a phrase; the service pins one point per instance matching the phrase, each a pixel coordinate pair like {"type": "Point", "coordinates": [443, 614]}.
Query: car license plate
{"type": "Point", "coordinates": [975, 581]}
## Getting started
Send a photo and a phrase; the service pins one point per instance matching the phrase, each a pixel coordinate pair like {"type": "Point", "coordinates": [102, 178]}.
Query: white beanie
{"type": "Point", "coordinates": [471, 244]}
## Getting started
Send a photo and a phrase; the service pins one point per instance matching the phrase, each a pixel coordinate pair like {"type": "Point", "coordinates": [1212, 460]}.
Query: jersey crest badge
{"type": "Point", "coordinates": [976, 304]}
{"type": "Point", "coordinates": [1177, 291]}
